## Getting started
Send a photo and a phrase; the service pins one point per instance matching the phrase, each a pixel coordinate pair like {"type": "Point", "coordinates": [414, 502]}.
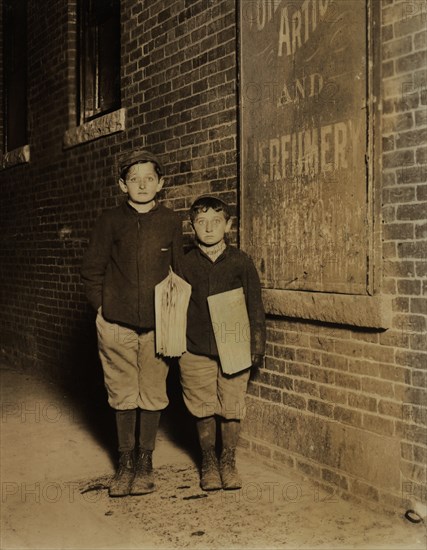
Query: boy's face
{"type": "Point", "coordinates": [211, 226]}
{"type": "Point", "coordinates": [142, 183]}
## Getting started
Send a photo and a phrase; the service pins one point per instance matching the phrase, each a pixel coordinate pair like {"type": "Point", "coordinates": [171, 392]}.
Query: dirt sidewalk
{"type": "Point", "coordinates": [55, 467]}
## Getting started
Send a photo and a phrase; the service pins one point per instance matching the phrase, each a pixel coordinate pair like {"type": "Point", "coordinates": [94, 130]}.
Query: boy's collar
{"type": "Point", "coordinates": [215, 254]}
{"type": "Point", "coordinates": [134, 210]}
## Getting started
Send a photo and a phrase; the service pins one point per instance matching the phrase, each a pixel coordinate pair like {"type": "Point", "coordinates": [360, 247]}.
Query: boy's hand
{"type": "Point", "coordinates": [257, 360]}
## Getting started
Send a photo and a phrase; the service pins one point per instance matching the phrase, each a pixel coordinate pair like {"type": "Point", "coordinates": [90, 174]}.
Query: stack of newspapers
{"type": "Point", "coordinates": [230, 322]}
{"type": "Point", "coordinates": [171, 299]}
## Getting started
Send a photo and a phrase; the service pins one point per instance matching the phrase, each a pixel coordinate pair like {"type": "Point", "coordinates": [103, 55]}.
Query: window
{"type": "Point", "coordinates": [15, 73]}
{"type": "Point", "coordinates": [99, 42]}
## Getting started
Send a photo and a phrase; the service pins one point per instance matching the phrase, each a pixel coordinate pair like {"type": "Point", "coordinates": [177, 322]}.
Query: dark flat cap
{"type": "Point", "coordinates": [141, 155]}
{"type": "Point", "coordinates": [207, 197]}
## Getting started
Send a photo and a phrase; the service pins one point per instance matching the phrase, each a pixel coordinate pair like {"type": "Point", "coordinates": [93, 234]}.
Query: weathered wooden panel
{"type": "Point", "coordinates": [303, 92]}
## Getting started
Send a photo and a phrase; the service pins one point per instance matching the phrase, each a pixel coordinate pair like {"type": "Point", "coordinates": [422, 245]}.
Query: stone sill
{"type": "Point", "coordinates": [105, 125]}
{"type": "Point", "coordinates": [343, 309]}
{"type": "Point", "coordinates": [20, 155]}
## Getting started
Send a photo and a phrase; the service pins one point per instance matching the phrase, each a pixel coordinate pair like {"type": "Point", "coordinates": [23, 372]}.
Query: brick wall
{"type": "Point", "coordinates": [405, 227]}
{"type": "Point", "coordinates": [332, 401]}
{"type": "Point", "coordinates": [347, 406]}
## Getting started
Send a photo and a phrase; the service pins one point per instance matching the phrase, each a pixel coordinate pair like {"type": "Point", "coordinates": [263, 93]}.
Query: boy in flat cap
{"type": "Point", "coordinates": [131, 249]}
{"type": "Point", "coordinates": [213, 267]}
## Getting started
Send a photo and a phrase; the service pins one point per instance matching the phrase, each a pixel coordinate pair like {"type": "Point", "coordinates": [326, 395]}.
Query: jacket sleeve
{"type": "Point", "coordinates": [96, 259]}
{"type": "Point", "coordinates": [178, 249]}
{"type": "Point", "coordinates": [255, 308]}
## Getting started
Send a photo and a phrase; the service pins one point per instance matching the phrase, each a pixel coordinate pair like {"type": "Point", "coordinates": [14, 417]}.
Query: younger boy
{"type": "Point", "coordinates": [211, 268]}
{"type": "Point", "coordinates": [131, 249]}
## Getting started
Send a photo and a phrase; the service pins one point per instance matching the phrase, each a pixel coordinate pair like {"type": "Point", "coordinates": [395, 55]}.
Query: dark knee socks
{"type": "Point", "coordinates": [206, 429]}
{"type": "Point", "coordinates": [148, 426]}
{"type": "Point", "coordinates": [126, 422]}
{"type": "Point", "coordinates": [230, 430]}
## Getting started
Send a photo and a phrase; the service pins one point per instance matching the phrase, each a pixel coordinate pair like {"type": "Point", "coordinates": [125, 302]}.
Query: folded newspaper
{"type": "Point", "coordinates": [171, 299]}
{"type": "Point", "coordinates": [230, 322]}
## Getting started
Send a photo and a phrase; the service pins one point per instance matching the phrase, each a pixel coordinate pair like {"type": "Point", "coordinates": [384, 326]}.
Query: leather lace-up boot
{"type": "Point", "coordinates": [210, 479]}
{"type": "Point", "coordinates": [227, 466]}
{"type": "Point", "coordinates": [143, 482]}
{"type": "Point", "coordinates": [121, 483]}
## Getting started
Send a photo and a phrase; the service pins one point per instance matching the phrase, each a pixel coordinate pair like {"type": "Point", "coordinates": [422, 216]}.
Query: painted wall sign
{"type": "Point", "coordinates": [304, 126]}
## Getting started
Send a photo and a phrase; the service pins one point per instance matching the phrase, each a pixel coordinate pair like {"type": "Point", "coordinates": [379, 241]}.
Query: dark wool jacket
{"type": "Point", "coordinates": [128, 254]}
{"type": "Point", "coordinates": [233, 269]}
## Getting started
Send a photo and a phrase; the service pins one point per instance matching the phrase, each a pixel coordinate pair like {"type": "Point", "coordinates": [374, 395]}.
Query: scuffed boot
{"type": "Point", "coordinates": [210, 479]}
{"type": "Point", "coordinates": [143, 482]}
{"type": "Point", "coordinates": [227, 466]}
{"type": "Point", "coordinates": [121, 483]}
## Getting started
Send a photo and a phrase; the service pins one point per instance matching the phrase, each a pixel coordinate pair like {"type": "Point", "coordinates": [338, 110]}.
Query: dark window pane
{"type": "Point", "coordinates": [99, 57]}
{"type": "Point", "coordinates": [15, 73]}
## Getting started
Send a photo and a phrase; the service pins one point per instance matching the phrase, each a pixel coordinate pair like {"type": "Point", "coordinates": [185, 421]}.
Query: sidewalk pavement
{"type": "Point", "coordinates": [57, 455]}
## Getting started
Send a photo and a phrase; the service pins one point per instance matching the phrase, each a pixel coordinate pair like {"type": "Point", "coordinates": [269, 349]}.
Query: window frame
{"type": "Point", "coordinates": [17, 29]}
{"type": "Point", "coordinates": [89, 37]}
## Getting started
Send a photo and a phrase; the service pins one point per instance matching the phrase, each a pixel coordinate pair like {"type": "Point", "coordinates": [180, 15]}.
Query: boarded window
{"type": "Point", "coordinates": [15, 73]}
{"type": "Point", "coordinates": [304, 140]}
{"type": "Point", "coordinates": [99, 57]}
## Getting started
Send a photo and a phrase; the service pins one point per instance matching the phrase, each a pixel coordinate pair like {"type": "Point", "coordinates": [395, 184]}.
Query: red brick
{"type": "Point", "coordinates": [394, 372]}
{"type": "Point", "coordinates": [411, 173]}
{"type": "Point", "coordinates": [292, 400]}
{"type": "Point", "coordinates": [421, 231]}
{"type": "Point", "coordinates": [412, 211]}
{"type": "Point", "coordinates": [377, 387]}
{"type": "Point", "coordinates": [409, 286]}
{"type": "Point", "coordinates": [418, 342]}
{"type": "Point", "coordinates": [420, 40]}
{"type": "Point", "coordinates": [334, 362]}
{"type": "Point", "coordinates": [411, 432]}
{"type": "Point", "coordinates": [320, 408]}
{"type": "Point", "coordinates": [412, 250]}
{"type": "Point", "coordinates": [270, 394]}
{"type": "Point", "coordinates": [322, 375]}
{"type": "Point", "coordinates": [398, 158]}
{"type": "Point", "coordinates": [390, 408]}
{"type": "Point", "coordinates": [411, 62]}
{"type": "Point", "coordinates": [398, 231]}
{"type": "Point", "coordinates": [421, 154]}
{"type": "Point", "coordinates": [360, 401]}
{"type": "Point", "coordinates": [347, 381]}
{"type": "Point", "coordinates": [371, 337]}
{"type": "Point", "coordinates": [397, 48]}
{"type": "Point", "coordinates": [400, 304]}
{"type": "Point", "coordinates": [398, 123]}
{"type": "Point", "coordinates": [398, 195]}
{"type": "Point", "coordinates": [382, 426]}
{"type": "Point", "coordinates": [408, 25]}
{"type": "Point", "coordinates": [347, 416]}
{"type": "Point", "coordinates": [421, 269]}
{"type": "Point", "coordinates": [388, 33]}
{"type": "Point", "coordinates": [302, 386]}
{"type": "Point", "coordinates": [398, 268]}
{"type": "Point", "coordinates": [295, 369]}
{"type": "Point", "coordinates": [308, 356]}
{"type": "Point", "coordinates": [388, 70]}
{"type": "Point", "coordinates": [421, 117]}
{"type": "Point", "coordinates": [332, 395]}
{"type": "Point", "coordinates": [419, 305]}
{"type": "Point", "coordinates": [407, 450]}
{"type": "Point", "coordinates": [419, 378]}
{"type": "Point", "coordinates": [414, 359]}
{"type": "Point", "coordinates": [420, 454]}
